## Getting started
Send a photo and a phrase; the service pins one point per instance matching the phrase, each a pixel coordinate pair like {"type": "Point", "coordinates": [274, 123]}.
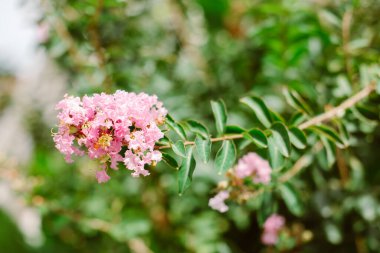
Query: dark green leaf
{"type": "Point", "coordinates": [198, 128]}
{"type": "Point", "coordinates": [185, 173]}
{"type": "Point", "coordinates": [281, 138]}
{"type": "Point", "coordinates": [220, 114]}
{"type": "Point", "coordinates": [203, 148]}
{"type": "Point", "coordinates": [291, 199]}
{"type": "Point", "coordinates": [169, 160]}
{"type": "Point", "coordinates": [225, 158]}
{"type": "Point", "coordinates": [232, 129]}
{"type": "Point", "coordinates": [179, 148]}
{"type": "Point", "coordinates": [276, 117]}
{"type": "Point", "coordinates": [329, 133]}
{"type": "Point", "coordinates": [297, 137]}
{"type": "Point", "coordinates": [257, 137]}
{"type": "Point", "coordinates": [260, 109]}
{"type": "Point", "coordinates": [267, 207]}
{"type": "Point", "coordinates": [177, 128]}
{"type": "Point", "coordinates": [368, 112]}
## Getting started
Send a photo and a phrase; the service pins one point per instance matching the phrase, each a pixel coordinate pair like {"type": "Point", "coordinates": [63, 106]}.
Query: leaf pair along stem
{"type": "Point", "coordinates": [330, 114]}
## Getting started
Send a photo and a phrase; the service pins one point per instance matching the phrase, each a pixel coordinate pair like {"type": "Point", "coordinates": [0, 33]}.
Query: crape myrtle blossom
{"type": "Point", "coordinates": [217, 202]}
{"type": "Point", "coordinates": [272, 228]}
{"type": "Point", "coordinates": [252, 165]}
{"type": "Point", "coordinates": [112, 128]}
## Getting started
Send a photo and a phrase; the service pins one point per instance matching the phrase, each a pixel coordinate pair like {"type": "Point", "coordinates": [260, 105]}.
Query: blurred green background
{"type": "Point", "coordinates": [187, 53]}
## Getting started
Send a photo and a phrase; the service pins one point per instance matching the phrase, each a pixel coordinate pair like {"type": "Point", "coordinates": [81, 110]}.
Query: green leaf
{"type": "Point", "coordinates": [232, 129]}
{"type": "Point", "coordinates": [198, 128]}
{"type": "Point", "coordinates": [368, 112]}
{"type": "Point", "coordinates": [329, 133]}
{"type": "Point", "coordinates": [326, 157]}
{"type": "Point", "coordinates": [177, 128]}
{"type": "Point", "coordinates": [267, 207]}
{"type": "Point", "coordinates": [257, 137]}
{"type": "Point", "coordinates": [291, 199]}
{"type": "Point", "coordinates": [260, 109]}
{"type": "Point", "coordinates": [297, 137]}
{"type": "Point", "coordinates": [296, 101]}
{"type": "Point", "coordinates": [276, 117]}
{"type": "Point", "coordinates": [203, 148]}
{"type": "Point", "coordinates": [281, 138]}
{"type": "Point", "coordinates": [179, 148]}
{"type": "Point", "coordinates": [297, 119]}
{"type": "Point", "coordinates": [164, 141]}
{"type": "Point", "coordinates": [186, 170]}
{"type": "Point", "coordinates": [169, 160]}
{"type": "Point", "coordinates": [343, 133]}
{"type": "Point", "coordinates": [220, 114]}
{"type": "Point", "coordinates": [276, 160]}
{"type": "Point", "coordinates": [225, 158]}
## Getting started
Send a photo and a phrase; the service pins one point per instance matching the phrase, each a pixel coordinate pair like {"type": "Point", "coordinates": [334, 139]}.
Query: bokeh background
{"type": "Point", "coordinates": [186, 52]}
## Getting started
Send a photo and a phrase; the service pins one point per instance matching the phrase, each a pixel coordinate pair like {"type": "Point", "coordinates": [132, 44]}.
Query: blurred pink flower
{"type": "Point", "coordinates": [217, 202]}
{"type": "Point", "coordinates": [102, 176]}
{"type": "Point", "coordinates": [272, 227]}
{"type": "Point", "coordinates": [102, 125]}
{"type": "Point", "coordinates": [252, 165]}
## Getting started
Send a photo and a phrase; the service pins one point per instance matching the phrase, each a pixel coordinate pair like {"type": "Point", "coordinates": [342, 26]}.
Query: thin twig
{"type": "Point", "coordinates": [334, 112]}
{"type": "Point", "coordinates": [339, 110]}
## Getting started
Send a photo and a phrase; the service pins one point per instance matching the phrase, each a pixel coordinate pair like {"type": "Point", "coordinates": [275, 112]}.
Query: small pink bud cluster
{"type": "Point", "coordinates": [252, 165]}
{"type": "Point", "coordinates": [272, 227]}
{"type": "Point", "coordinates": [217, 202]}
{"type": "Point", "coordinates": [103, 125]}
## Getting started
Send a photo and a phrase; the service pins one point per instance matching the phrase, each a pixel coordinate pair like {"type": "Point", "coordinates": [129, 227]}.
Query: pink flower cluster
{"type": "Point", "coordinates": [252, 165]}
{"type": "Point", "coordinates": [103, 125]}
{"type": "Point", "coordinates": [217, 202]}
{"type": "Point", "coordinates": [272, 227]}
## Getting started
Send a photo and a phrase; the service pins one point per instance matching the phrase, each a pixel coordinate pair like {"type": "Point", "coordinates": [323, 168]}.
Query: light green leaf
{"type": "Point", "coordinates": [198, 128]}
{"type": "Point", "coordinates": [257, 137]}
{"type": "Point", "coordinates": [276, 160]}
{"type": "Point", "coordinates": [281, 138]}
{"type": "Point", "coordinates": [220, 114]}
{"type": "Point", "coordinates": [168, 159]}
{"type": "Point", "coordinates": [179, 148]}
{"type": "Point", "coordinates": [203, 148]}
{"type": "Point", "coordinates": [291, 199]}
{"type": "Point", "coordinates": [260, 109]}
{"type": "Point", "coordinates": [225, 158]}
{"type": "Point", "coordinates": [177, 128]}
{"type": "Point", "coordinates": [186, 170]}
{"type": "Point", "coordinates": [297, 137]}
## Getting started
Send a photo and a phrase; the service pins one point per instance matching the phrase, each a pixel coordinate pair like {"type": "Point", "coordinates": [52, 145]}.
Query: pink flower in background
{"type": "Point", "coordinates": [102, 176]}
{"type": "Point", "coordinates": [272, 227]}
{"type": "Point", "coordinates": [102, 125]}
{"type": "Point", "coordinates": [217, 202]}
{"type": "Point", "coordinates": [252, 165]}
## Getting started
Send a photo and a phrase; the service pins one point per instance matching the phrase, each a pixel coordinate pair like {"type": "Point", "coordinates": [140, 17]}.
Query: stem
{"type": "Point", "coordinates": [339, 110]}
{"type": "Point", "coordinates": [335, 112]}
